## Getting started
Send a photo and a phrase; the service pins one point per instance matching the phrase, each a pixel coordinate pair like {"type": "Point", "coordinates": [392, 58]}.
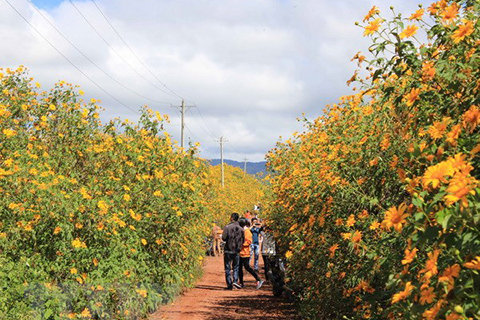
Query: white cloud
{"type": "Point", "coordinates": [251, 67]}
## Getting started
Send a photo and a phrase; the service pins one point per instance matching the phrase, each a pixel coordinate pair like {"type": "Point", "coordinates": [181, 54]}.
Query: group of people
{"type": "Point", "coordinates": [242, 243]}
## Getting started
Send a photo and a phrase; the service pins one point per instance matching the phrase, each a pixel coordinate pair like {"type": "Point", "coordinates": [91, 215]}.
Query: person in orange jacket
{"type": "Point", "coordinates": [245, 256]}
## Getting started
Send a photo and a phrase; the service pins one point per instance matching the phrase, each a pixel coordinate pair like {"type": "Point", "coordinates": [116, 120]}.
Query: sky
{"type": "Point", "coordinates": [250, 68]}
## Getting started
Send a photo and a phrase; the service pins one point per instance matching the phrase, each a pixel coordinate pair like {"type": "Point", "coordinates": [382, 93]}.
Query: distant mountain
{"type": "Point", "coordinates": [252, 167]}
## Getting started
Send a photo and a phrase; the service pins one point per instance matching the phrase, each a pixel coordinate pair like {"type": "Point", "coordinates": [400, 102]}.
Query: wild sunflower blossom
{"type": "Point", "coordinates": [449, 273]}
{"type": "Point", "coordinates": [459, 187]}
{"type": "Point", "coordinates": [412, 96]}
{"type": "Point", "coordinates": [431, 265]}
{"type": "Point", "coordinates": [471, 118]}
{"type": "Point", "coordinates": [417, 15]}
{"type": "Point", "coordinates": [371, 13]}
{"type": "Point", "coordinates": [450, 13]}
{"type": "Point", "coordinates": [409, 256]}
{"type": "Point", "coordinates": [395, 217]}
{"type": "Point", "coordinates": [473, 264]}
{"type": "Point", "coordinates": [402, 295]}
{"type": "Point", "coordinates": [427, 295]}
{"type": "Point", "coordinates": [437, 174]}
{"type": "Point", "coordinates": [372, 27]}
{"type": "Point", "coordinates": [409, 31]}
{"type": "Point", "coordinates": [463, 31]}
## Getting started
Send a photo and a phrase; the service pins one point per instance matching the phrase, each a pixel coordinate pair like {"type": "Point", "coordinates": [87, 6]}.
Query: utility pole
{"type": "Point", "coordinates": [245, 165]}
{"type": "Point", "coordinates": [183, 109]}
{"type": "Point", "coordinates": [222, 140]}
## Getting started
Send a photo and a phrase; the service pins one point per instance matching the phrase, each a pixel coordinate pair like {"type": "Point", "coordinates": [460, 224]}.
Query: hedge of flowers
{"type": "Point", "coordinates": [97, 221]}
{"type": "Point", "coordinates": [240, 193]}
{"type": "Point", "coordinates": [377, 203]}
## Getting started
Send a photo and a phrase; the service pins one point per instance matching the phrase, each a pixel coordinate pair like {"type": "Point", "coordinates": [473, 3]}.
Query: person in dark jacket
{"type": "Point", "coordinates": [234, 236]}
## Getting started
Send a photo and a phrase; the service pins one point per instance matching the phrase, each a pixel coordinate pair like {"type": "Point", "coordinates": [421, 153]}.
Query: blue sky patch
{"type": "Point", "coordinates": [47, 4]}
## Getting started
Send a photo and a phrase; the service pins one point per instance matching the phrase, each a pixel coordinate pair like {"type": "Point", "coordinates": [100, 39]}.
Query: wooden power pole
{"type": "Point", "coordinates": [183, 109]}
{"type": "Point", "coordinates": [222, 140]}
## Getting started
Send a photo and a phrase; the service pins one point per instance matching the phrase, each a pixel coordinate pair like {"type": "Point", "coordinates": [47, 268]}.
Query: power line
{"type": "Point", "coordinates": [90, 60]}
{"type": "Point", "coordinates": [147, 68]}
{"type": "Point", "coordinates": [134, 54]}
{"type": "Point", "coordinates": [69, 61]}
{"type": "Point", "coordinates": [202, 127]}
{"type": "Point", "coordinates": [191, 133]}
{"type": "Point", "coordinates": [116, 52]}
{"type": "Point", "coordinates": [206, 124]}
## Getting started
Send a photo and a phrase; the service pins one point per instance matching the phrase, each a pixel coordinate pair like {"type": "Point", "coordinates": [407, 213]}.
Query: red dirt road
{"type": "Point", "coordinates": [208, 301]}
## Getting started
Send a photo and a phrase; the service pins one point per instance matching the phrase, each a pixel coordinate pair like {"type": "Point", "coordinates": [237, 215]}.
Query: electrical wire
{"type": "Point", "coordinates": [69, 61]}
{"type": "Point", "coordinates": [148, 69]}
{"type": "Point", "coordinates": [206, 124]}
{"type": "Point", "coordinates": [134, 54]}
{"type": "Point", "coordinates": [116, 52]}
{"type": "Point", "coordinates": [91, 61]}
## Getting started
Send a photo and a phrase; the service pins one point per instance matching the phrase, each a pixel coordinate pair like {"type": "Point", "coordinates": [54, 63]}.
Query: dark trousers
{"type": "Point", "coordinates": [245, 262]}
{"type": "Point", "coordinates": [231, 261]}
{"type": "Point", "coordinates": [265, 265]}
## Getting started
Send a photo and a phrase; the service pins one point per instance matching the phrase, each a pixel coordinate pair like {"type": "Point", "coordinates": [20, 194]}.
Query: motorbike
{"type": "Point", "coordinates": [276, 274]}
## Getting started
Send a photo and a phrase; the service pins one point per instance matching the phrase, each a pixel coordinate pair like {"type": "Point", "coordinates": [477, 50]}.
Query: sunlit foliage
{"type": "Point", "coordinates": [377, 203]}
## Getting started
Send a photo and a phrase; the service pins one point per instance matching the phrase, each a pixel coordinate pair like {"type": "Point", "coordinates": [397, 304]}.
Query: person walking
{"type": "Point", "coordinates": [255, 246]}
{"type": "Point", "coordinates": [245, 256]}
{"type": "Point", "coordinates": [217, 237]}
{"type": "Point", "coordinates": [234, 236]}
{"type": "Point", "coordinates": [268, 249]}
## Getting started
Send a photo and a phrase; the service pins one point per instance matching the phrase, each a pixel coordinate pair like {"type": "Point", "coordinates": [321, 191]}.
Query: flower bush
{"type": "Point", "coordinates": [377, 203]}
{"type": "Point", "coordinates": [240, 193]}
{"type": "Point", "coordinates": [97, 221]}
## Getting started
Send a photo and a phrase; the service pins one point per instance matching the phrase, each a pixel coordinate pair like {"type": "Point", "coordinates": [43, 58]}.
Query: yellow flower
{"type": "Point", "coordinates": [471, 118]}
{"type": "Point", "coordinates": [73, 271]}
{"type": "Point", "coordinates": [135, 216]}
{"type": "Point", "coordinates": [332, 250]}
{"type": "Point", "coordinates": [357, 236]}
{"type": "Point", "coordinates": [288, 254]}
{"type": "Point", "coordinates": [436, 174]}
{"type": "Point", "coordinates": [78, 244]}
{"type": "Point", "coordinates": [427, 296]}
{"type": "Point", "coordinates": [57, 230]}
{"type": "Point", "coordinates": [473, 264]}
{"type": "Point", "coordinates": [371, 13]}
{"type": "Point", "coordinates": [86, 313]}
{"type": "Point", "coordinates": [409, 256]}
{"type": "Point", "coordinates": [412, 96]}
{"type": "Point", "coordinates": [372, 27]}
{"type": "Point", "coordinates": [417, 15]}
{"type": "Point", "coordinates": [144, 242]}
{"type": "Point", "coordinates": [9, 132]}
{"type": "Point", "coordinates": [402, 295]}
{"type": "Point", "coordinates": [459, 187]}
{"type": "Point", "coordinates": [374, 225]}
{"type": "Point", "coordinates": [431, 264]}
{"type": "Point", "coordinates": [449, 273]}
{"type": "Point", "coordinates": [463, 31]}
{"type": "Point", "coordinates": [126, 197]}
{"type": "Point", "coordinates": [409, 31]}
{"type": "Point", "coordinates": [103, 206]}
{"type": "Point", "coordinates": [142, 292]}
{"type": "Point", "coordinates": [438, 129]}
{"type": "Point", "coordinates": [395, 217]}
{"type": "Point", "coordinates": [450, 12]}
{"type": "Point", "coordinates": [350, 221]}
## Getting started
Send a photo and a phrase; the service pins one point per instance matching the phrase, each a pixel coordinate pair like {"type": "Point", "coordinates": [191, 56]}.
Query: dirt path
{"type": "Point", "coordinates": [208, 301]}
